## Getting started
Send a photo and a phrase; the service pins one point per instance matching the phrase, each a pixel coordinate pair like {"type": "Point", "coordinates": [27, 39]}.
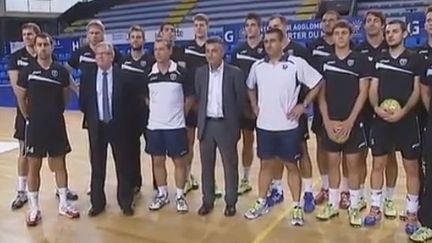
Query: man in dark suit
{"type": "Point", "coordinates": [221, 93]}
{"type": "Point", "coordinates": [100, 101]}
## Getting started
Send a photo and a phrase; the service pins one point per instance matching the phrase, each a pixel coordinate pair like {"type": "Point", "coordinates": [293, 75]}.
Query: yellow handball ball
{"type": "Point", "coordinates": [390, 105]}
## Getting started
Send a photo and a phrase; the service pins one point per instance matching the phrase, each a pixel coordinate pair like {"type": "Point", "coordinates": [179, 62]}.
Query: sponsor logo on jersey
{"type": "Point", "coordinates": [54, 73]}
{"type": "Point", "coordinates": [173, 76]}
{"type": "Point", "coordinates": [350, 62]}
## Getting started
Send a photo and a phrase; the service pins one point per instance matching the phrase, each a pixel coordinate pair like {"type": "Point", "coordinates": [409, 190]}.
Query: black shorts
{"type": "Point", "coordinates": [403, 136]}
{"type": "Point", "coordinates": [46, 138]}
{"type": "Point", "coordinates": [19, 126]}
{"type": "Point", "coordinates": [285, 145]}
{"type": "Point", "coordinates": [303, 126]}
{"type": "Point", "coordinates": [356, 143]}
{"type": "Point", "coordinates": [317, 123]}
{"type": "Point", "coordinates": [247, 123]}
{"type": "Point", "coordinates": [172, 142]}
{"type": "Point", "coordinates": [192, 119]}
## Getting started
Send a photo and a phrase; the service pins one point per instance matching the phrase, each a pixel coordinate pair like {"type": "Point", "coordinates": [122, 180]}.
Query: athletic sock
{"type": "Point", "coordinates": [412, 203]}
{"type": "Point", "coordinates": [362, 191]}
{"type": "Point", "coordinates": [246, 171]}
{"type": "Point", "coordinates": [334, 197]}
{"type": "Point", "coordinates": [376, 198]}
{"type": "Point", "coordinates": [389, 193]}
{"type": "Point", "coordinates": [22, 183]}
{"type": "Point", "coordinates": [34, 200]}
{"type": "Point", "coordinates": [162, 191]}
{"type": "Point", "coordinates": [325, 182]}
{"type": "Point", "coordinates": [307, 185]}
{"type": "Point", "coordinates": [354, 198]}
{"type": "Point", "coordinates": [63, 196]}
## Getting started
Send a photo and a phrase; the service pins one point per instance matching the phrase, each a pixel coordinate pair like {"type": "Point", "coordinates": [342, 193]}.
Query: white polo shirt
{"type": "Point", "coordinates": [278, 89]}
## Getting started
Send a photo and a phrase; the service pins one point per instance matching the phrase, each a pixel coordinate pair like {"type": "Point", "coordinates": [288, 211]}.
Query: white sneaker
{"type": "Point", "coordinates": [182, 205]}
{"type": "Point", "coordinates": [159, 201]}
{"type": "Point", "coordinates": [69, 211]}
{"type": "Point", "coordinates": [33, 218]}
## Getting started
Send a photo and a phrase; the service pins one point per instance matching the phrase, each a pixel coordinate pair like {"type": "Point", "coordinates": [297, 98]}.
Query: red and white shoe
{"type": "Point", "coordinates": [33, 218]}
{"type": "Point", "coordinates": [69, 211]}
{"type": "Point", "coordinates": [322, 196]}
{"type": "Point", "coordinates": [344, 202]}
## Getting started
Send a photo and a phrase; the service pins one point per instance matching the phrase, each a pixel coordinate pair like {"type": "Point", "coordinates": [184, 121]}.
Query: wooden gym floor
{"type": "Point", "coordinates": [165, 226]}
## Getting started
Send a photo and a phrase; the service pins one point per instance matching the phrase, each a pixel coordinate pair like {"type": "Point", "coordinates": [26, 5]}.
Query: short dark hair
{"type": "Point", "coordinates": [333, 12]}
{"type": "Point", "coordinates": [168, 43]}
{"type": "Point", "coordinates": [283, 20]}
{"type": "Point", "coordinates": [215, 40]}
{"type": "Point", "coordinates": [31, 25]}
{"type": "Point", "coordinates": [136, 28]}
{"type": "Point", "coordinates": [343, 24]}
{"type": "Point", "coordinates": [162, 26]}
{"type": "Point", "coordinates": [253, 16]}
{"type": "Point", "coordinates": [399, 22]}
{"type": "Point", "coordinates": [201, 17]}
{"type": "Point", "coordinates": [44, 35]}
{"type": "Point", "coordinates": [278, 32]}
{"type": "Point", "coordinates": [375, 13]}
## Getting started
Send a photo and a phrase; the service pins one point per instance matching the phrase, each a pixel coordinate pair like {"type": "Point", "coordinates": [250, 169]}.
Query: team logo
{"type": "Point", "coordinates": [403, 61]}
{"type": "Point", "coordinates": [54, 73]}
{"type": "Point", "coordinates": [182, 64]}
{"type": "Point", "coordinates": [173, 76]}
{"type": "Point", "coordinates": [143, 63]}
{"type": "Point", "coordinates": [285, 66]}
{"type": "Point", "coordinates": [357, 24]}
{"type": "Point", "coordinates": [350, 62]}
{"type": "Point", "coordinates": [260, 50]}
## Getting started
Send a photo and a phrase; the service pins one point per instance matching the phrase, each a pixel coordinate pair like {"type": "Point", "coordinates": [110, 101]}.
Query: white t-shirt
{"type": "Point", "coordinates": [278, 89]}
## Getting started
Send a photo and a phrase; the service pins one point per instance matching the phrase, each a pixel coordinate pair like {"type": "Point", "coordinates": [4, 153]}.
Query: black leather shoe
{"type": "Point", "coordinates": [230, 211]}
{"type": "Point", "coordinates": [128, 212]}
{"type": "Point", "coordinates": [205, 209]}
{"type": "Point", "coordinates": [93, 212]}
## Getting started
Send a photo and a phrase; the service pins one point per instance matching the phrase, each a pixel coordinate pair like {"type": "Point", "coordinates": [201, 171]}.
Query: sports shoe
{"type": "Point", "coordinates": [309, 202]}
{"type": "Point", "coordinates": [344, 202]}
{"type": "Point", "coordinates": [69, 211]}
{"type": "Point", "coordinates": [362, 204]}
{"type": "Point", "coordinates": [373, 217]}
{"type": "Point", "coordinates": [71, 196]}
{"type": "Point", "coordinates": [297, 216]}
{"type": "Point", "coordinates": [411, 225]}
{"type": "Point", "coordinates": [321, 197]}
{"type": "Point", "coordinates": [159, 201]}
{"type": "Point", "coordinates": [390, 210]}
{"type": "Point", "coordinates": [218, 192]}
{"type": "Point", "coordinates": [327, 212]}
{"type": "Point", "coordinates": [19, 201]}
{"type": "Point", "coordinates": [182, 206]}
{"type": "Point", "coordinates": [275, 197]}
{"type": "Point", "coordinates": [423, 234]}
{"type": "Point", "coordinates": [188, 187]}
{"type": "Point", "coordinates": [33, 218]}
{"type": "Point", "coordinates": [194, 182]}
{"type": "Point", "coordinates": [355, 218]}
{"type": "Point", "coordinates": [257, 210]}
{"type": "Point", "coordinates": [244, 187]}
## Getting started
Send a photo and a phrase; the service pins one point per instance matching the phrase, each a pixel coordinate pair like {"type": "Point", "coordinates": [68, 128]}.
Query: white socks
{"type": "Point", "coordinates": [325, 182]}
{"type": "Point", "coordinates": [412, 203]}
{"type": "Point", "coordinates": [162, 191]}
{"type": "Point", "coordinates": [376, 198]}
{"type": "Point", "coordinates": [246, 172]}
{"type": "Point", "coordinates": [63, 196]}
{"type": "Point", "coordinates": [389, 193]}
{"type": "Point", "coordinates": [22, 184]}
{"type": "Point", "coordinates": [307, 185]}
{"type": "Point", "coordinates": [179, 193]}
{"type": "Point", "coordinates": [334, 197]}
{"type": "Point", "coordinates": [354, 198]}
{"type": "Point", "coordinates": [34, 200]}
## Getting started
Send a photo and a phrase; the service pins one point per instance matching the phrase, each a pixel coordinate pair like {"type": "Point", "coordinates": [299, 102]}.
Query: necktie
{"type": "Point", "coordinates": [105, 99]}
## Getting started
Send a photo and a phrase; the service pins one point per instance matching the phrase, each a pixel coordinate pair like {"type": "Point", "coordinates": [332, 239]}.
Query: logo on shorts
{"type": "Point", "coordinates": [350, 62]}
{"type": "Point", "coordinates": [403, 61]}
{"type": "Point", "coordinates": [143, 63]}
{"type": "Point", "coordinates": [30, 149]}
{"type": "Point", "coordinates": [54, 73]}
{"type": "Point", "coordinates": [173, 76]}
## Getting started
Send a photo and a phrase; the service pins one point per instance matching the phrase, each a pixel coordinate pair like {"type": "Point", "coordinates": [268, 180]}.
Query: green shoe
{"type": "Point", "coordinates": [362, 205]}
{"type": "Point", "coordinates": [327, 212]}
{"type": "Point", "coordinates": [390, 210]}
{"type": "Point", "coordinates": [188, 187]}
{"type": "Point", "coordinates": [355, 217]}
{"type": "Point", "coordinates": [423, 234]}
{"type": "Point", "coordinates": [297, 216]}
{"type": "Point", "coordinates": [244, 187]}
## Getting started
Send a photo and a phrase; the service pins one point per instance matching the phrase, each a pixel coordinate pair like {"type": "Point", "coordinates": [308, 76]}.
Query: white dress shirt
{"type": "Point", "coordinates": [99, 80]}
{"type": "Point", "coordinates": [214, 97]}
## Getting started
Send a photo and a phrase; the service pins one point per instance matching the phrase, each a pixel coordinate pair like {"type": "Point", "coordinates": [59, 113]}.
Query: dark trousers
{"type": "Point", "coordinates": [425, 212]}
{"type": "Point", "coordinates": [134, 155]}
{"type": "Point", "coordinates": [215, 137]}
{"type": "Point", "coordinates": [98, 158]}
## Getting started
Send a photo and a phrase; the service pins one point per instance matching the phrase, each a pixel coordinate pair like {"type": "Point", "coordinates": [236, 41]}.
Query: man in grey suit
{"type": "Point", "coordinates": [221, 93]}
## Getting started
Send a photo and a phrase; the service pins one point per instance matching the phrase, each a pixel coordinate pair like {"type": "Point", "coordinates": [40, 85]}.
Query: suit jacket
{"type": "Point", "coordinates": [89, 104]}
{"type": "Point", "coordinates": [233, 98]}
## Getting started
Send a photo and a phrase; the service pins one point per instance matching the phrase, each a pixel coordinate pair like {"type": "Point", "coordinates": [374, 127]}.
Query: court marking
{"type": "Point", "coordinates": [266, 232]}
{"type": "Point", "coordinates": [8, 146]}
